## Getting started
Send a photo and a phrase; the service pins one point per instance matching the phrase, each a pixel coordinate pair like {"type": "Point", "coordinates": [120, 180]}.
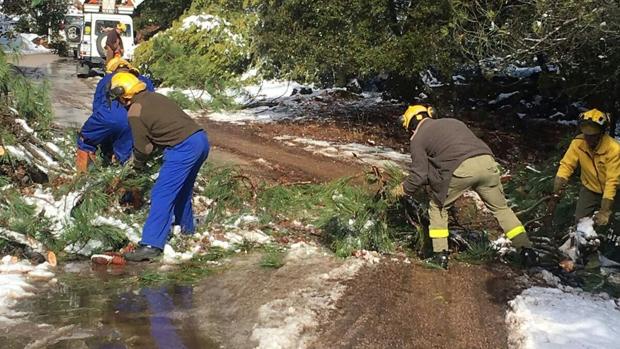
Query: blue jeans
{"type": "Point", "coordinates": [171, 197]}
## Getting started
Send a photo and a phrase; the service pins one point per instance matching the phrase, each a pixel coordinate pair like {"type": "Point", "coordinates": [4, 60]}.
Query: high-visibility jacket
{"type": "Point", "coordinates": [600, 168]}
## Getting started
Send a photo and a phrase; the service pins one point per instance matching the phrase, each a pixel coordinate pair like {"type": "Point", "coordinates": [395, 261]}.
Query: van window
{"type": "Point", "coordinates": [73, 20]}
{"type": "Point", "coordinates": [106, 26]}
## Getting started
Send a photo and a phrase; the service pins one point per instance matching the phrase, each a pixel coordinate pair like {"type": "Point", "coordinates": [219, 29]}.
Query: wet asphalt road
{"type": "Point", "coordinates": [71, 96]}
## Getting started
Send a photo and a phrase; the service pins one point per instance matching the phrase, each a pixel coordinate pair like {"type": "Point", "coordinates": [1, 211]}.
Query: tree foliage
{"type": "Point", "coordinates": [39, 14]}
{"type": "Point", "coordinates": [581, 37]}
{"type": "Point", "coordinates": [160, 13]}
{"type": "Point", "coordinates": [206, 55]}
{"type": "Point", "coordinates": [331, 42]}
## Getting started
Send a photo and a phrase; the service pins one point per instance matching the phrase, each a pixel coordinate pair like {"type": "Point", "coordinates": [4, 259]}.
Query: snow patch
{"type": "Point", "coordinates": [16, 283]}
{"type": "Point", "coordinates": [502, 97]}
{"type": "Point", "coordinates": [289, 322]}
{"type": "Point", "coordinates": [173, 257]}
{"type": "Point", "coordinates": [58, 211]}
{"type": "Point", "coordinates": [192, 94]}
{"type": "Point", "coordinates": [551, 318]}
{"type": "Point", "coordinates": [22, 43]}
{"type": "Point", "coordinates": [429, 79]}
{"type": "Point", "coordinates": [584, 235]}
{"type": "Point", "coordinates": [301, 250]}
{"type": "Point", "coordinates": [131, 232]}
{"type": "Point", "coordinates": [209, 22]}
{"type": "Point", "coordinates": [375, 155]}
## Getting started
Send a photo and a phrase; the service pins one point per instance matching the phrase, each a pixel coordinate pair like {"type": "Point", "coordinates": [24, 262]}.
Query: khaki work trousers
{"type": "Point", "coordinates": [481, 175]}
{"type": "Point", "coordinates": [588, 202]}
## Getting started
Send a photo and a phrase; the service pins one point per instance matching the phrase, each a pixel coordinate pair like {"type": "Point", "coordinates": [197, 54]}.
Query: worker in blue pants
{"type": "Point", "coordinates": [107, 128]}
{"type": "Point", "coordinates": [157, 121]}
{"type": "Point", "coordinates": [171, 197]}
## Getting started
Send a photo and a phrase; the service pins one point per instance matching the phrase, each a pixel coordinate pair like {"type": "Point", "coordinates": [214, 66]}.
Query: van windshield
{"type": "Point", "coordinates": [73, 20]}
{"type": "Point", "coordinates": [107, 25]}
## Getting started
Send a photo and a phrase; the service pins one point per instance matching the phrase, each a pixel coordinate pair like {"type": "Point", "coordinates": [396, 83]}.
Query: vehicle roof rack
{"type": "Point", "coordinates": [122, 7]}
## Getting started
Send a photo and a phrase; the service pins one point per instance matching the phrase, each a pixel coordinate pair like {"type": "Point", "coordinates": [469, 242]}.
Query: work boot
{"type": "Point", "coordinates": [438, 260]}
{"type": "Point", "coordinates": [143, 253]}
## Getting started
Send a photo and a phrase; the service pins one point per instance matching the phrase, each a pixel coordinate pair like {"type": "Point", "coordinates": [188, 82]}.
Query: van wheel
{"type": "Point", "coordinates": [100, 43]}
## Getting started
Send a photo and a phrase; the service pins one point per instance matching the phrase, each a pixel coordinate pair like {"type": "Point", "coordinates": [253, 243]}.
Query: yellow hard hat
{"type": "Point", "coordinates": [121, 26]}
{"type": "Point", "coordinates": [117, 62]}
{"type": "Point", "coordinates": [593, 121]}
{"type": "Point", "coordinates": [126, 85]}
{"type": "Point", "coordinates": [418, 112]}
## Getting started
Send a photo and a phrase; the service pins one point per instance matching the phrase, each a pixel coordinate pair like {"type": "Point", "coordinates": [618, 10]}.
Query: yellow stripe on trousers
{"type": "Point", "coordinates": [514, 232]}
{"type": "Point", "coordinates": [438, 233]}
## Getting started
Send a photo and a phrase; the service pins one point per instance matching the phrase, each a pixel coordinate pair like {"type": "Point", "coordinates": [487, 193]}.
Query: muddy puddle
{"type": "Point", "coordinates": [236, 304]}
{"type": "Point", "coordinates": [93, 307]}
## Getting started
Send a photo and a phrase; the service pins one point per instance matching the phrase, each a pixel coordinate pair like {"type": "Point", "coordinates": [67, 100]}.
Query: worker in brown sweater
{"type": "Point", "coordinates": [157, 121]}
{"type": "Point", "coordinates": [449, 159]}
{"type": "Point", "coordinates": [114, 42]}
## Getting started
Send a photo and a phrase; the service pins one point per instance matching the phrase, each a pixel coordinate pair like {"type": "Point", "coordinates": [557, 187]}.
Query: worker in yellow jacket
{"type": "Point", "coordinates": [598, 156]}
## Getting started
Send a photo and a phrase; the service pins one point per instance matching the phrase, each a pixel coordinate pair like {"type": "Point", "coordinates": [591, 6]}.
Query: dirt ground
{"type": "Point", "coordinates": [390, 306]}
{"type": "Point", "coordinates": [410, 306]}
{"type": "Point", "coordinates": [268, 158]}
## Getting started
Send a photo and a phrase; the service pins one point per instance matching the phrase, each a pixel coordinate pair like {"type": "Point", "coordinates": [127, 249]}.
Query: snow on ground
{"type": "Point", "coordinates": [272, 101]}
{"type": "Point", "coordinates": [550, 318]}
{"type": "Point", "coordinates": [192, 94]}
{"type": "Point", "coordinates": [18, 280]}
{"type": "Point", "coordinates": [22, 43]}
{"type": "Point", "coordinates": [375, 155]}
{"type": "Point", "coordinates": [268, 90]}
{"type": "Point", "coordinates": [234, 234]}
{"type": "Point", "coordinates": [240, 117]}
{"type": "Point", "coordinates": [289, 322]}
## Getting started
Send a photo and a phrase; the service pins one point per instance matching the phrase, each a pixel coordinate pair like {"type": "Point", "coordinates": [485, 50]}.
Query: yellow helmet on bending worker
{"type": "Point", "coordinates": [126, 85]}
{"type": "Point", "coordinates": [117, 63]}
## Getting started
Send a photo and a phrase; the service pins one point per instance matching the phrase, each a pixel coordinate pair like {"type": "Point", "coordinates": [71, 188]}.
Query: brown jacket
{"type": "Point", "coordinates": [114, 41]}
{"type": "Point", "coordinates": [156, 120]}
{"type": "Point", "coordinates": [438, 147]}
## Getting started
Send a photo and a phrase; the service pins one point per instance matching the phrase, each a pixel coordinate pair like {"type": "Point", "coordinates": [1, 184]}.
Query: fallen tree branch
{"type": "Point", "coordinates": [21, 239]}
{"type": "Point", "coordinates": [536, 204]}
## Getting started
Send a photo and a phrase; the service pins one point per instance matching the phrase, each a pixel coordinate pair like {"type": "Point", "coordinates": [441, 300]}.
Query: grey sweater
{"type": "Point", "coordinates": [438, 147]}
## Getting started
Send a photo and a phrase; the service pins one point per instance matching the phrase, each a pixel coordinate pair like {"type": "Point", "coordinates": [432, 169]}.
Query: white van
{"type": "Point", "coordinates": [94, 35]}
{"type": "Point", "coordinates": [71, 32]}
